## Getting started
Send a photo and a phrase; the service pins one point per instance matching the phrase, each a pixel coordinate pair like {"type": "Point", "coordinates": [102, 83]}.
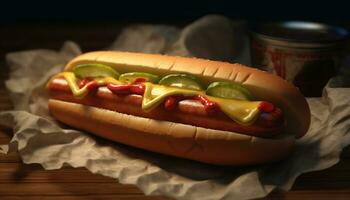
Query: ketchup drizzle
{"type": "Point", "coordinates": [127, 89]}
{"type": "Point", "coordinates": [89, 83]}
{"type": "Point", "coordinates": [266, 107]}
{"type": "Point", "coordinates": [209, 106]}
{"type": "Point", "coordinates": [170, 102]}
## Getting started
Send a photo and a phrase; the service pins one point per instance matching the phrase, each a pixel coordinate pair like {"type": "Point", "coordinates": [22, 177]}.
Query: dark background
{"type": "Point", "coordinates": [95, 24]}
{"type": "Point", "coordinates": [170, 11]}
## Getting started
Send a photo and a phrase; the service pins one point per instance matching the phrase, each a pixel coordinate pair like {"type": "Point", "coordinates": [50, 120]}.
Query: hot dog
{"type": "Point", "coordinates": [208, 111]}
{"type": "Point", "coordinates": [187, 111]}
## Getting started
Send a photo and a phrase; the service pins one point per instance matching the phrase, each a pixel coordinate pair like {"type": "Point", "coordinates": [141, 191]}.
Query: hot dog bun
{"type": "Point", "coordinates": [196, 143]}
{"type": "Point", "coordinates": [180, 140]}
{"type": "Point", "coordinates": [262, 84]}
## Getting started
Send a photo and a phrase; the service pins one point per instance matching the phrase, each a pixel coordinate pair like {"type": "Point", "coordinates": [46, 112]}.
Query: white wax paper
{"type": "Point", "coordinates": [40, 139]}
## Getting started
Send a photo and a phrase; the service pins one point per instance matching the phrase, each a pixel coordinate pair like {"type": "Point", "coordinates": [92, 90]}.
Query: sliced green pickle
{"type": "Point", "coordinates": [95, 70]}
{"type": "Point", "coordinates": [131, 76]}
{"type": "Point", "coordinates": [181, 80]}
{"type": "Point", "coordinates": [228, 91]}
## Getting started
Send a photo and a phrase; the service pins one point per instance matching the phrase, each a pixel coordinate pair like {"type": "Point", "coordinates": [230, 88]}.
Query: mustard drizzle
{"type": "Point", "coordinates": [241, 111]}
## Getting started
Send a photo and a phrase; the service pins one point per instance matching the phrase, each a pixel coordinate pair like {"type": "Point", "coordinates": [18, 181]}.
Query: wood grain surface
{"type": "Point", "coordinates": [31, 182]}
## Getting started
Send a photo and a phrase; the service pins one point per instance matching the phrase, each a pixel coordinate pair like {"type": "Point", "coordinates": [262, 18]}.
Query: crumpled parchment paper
{"type": "Point", "coordinates": [40, 139]}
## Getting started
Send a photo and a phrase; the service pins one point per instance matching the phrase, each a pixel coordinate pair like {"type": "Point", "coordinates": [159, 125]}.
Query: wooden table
{"type": "Point", "coordinates": [20, 181]}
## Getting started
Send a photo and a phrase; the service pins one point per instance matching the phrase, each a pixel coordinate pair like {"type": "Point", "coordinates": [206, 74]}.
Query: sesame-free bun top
{"type": "Point", "coordinates": [262, 85]}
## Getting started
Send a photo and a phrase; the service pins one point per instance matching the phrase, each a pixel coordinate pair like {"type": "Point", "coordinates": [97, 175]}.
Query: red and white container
{"type": "Point", "coordinates": [304, 53]}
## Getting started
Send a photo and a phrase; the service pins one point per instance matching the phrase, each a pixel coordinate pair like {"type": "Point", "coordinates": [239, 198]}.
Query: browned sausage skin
{"type": "Point", "coordinates": [187, 111]}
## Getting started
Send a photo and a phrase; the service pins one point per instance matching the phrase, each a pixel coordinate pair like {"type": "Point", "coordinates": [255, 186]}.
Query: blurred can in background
{"type": "Point", "coordinates": [306, 54]}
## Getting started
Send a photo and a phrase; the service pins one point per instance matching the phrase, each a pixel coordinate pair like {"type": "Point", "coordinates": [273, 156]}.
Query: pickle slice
{"type": "Point", "coordinates": [131, 76]}
{"type": "Point", "coordinates": [181, 80]}
{"type": "Point", "coordinates": [228, 91]}
{"type": "Point", "coordinates": [95, 70]}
